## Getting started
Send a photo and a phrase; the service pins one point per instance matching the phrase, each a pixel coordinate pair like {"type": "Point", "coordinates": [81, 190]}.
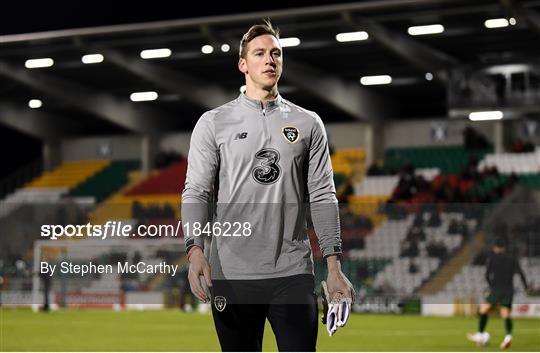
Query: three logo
{"type": "Point", "coordinates": [268, 171]}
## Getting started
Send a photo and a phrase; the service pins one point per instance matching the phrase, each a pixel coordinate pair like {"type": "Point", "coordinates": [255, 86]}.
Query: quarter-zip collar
{"type": "Point", "coordinates": [256, 104]}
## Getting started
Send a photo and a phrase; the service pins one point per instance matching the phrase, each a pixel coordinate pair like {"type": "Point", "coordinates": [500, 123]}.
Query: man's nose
{"type": "Point", "coordinates": [270, 59]}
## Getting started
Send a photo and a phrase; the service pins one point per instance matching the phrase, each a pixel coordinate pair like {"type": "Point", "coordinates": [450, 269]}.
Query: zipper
{"type": "Point", "coordinates": [265, 126]}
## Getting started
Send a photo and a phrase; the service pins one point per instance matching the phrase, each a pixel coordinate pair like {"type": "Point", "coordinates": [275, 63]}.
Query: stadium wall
{"type": "Point", "coordinates": [343, 135]}
{"type": "Point", "coordinates": [178, 142]}
{"type": "Point", "coordinates": [523, 129]}
{"type": "Point", "coordinates": [417, 133]}
{"type": "Point", "coordinates": [448, 305]}
{"type": "Point", "coordinates": [347, 135]}
{"type": "Point", "coordinates": [414, 133]}
{"type": "Point", "coordinates": [108, 147]}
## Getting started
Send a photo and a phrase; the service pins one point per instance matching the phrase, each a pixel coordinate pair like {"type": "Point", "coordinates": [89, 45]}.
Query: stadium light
{"type": "Point", "coordinates": [376, 80]}
{"type": "Point", "coordinates": [351, 36]}
{"type": "Point", "coordinates": [37, 63]}
{"type": "Point", "coordinates": [512, 21]}
{"type": "Point", "coordinates": [496, 23]}
{"type": "Point", "coordinates": [225, 47]}
{"type": "Point", "coordinates": [92, 59]}
{"type": "Point", "coordinates": [487, 115]}
{"type": "Point", "coordinates": [429, 76]}
{"type": "Point", "coordinates": [143, 96]}
{"type": "Point", "coordinates": [156, 53]}
{"type": "Point", "coordinates": [207, 49]}
{"type": "Point", "coordinates": [35, 103]}
{"type": "Point", "coordinates": [423, 30]}
{"type": "Point", "coordinates": [289, 42]}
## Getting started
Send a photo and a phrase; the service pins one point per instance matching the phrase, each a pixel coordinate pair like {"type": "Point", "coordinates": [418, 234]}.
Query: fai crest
{"type": "Point", "coordinates": [290, 133]}
{"type": "Point", "coordinates": [220, 303]}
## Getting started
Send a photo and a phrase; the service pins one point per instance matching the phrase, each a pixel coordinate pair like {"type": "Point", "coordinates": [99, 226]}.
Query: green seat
{"type": "Point", "coordinates": [105, 182]}
{"type": "Point", "coordinates": [450, 160]}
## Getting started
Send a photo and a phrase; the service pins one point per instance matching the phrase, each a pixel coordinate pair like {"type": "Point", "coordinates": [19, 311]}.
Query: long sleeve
{"type": "Point", "coordinates": [489, 271]}
{"type": "Point", "coordinates": [521, 274]}
{"type": "Point", "coordinates": [203, 165]}
{"type": "Point", "coordinates": [322, 192]}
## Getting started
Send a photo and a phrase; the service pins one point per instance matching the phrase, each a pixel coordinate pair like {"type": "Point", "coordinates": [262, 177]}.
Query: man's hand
{"type": "Point", "coordinates": [198, 265]}
{"type": "Point", "coordinates": [338, 296]}
{"type": "Point", "coordinates": [338, 284]}
{"type": "Point", "coordinates": [336, 304]}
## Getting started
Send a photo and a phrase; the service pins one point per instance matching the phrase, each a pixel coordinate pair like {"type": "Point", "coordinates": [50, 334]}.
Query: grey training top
{"type": "Point", "coordinates": [259, 167]}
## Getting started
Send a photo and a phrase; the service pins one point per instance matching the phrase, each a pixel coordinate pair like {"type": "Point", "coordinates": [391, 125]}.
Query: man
{"type": "Point", "coordinates": [500, 271]}
{"type": "Point", "coordinates": [260, 157]}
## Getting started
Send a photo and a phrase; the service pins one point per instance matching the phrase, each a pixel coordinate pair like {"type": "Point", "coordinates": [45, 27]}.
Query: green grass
{"type": "Point", "coordinates": [168, 330]}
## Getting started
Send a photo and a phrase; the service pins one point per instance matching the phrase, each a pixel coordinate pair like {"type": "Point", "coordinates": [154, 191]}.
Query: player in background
{"type": "Point", "coordinates": [500, 270]}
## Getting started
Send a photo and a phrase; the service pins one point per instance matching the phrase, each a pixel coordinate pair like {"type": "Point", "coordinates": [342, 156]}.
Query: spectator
{"type": "Point", "coordinates": [436, 249]}
{"type": "Point", "coordinates": [376, 168]}
{"type": "Point", "coordinates": [409, 249]}
{"type": "Point", "coordinates": [416, 234]}
{"type": "Point", "coordinates": [434, 219]}
{"type": "Point", "coordinates": [344, 190]}
{"type": "Point", "coordinates": [166, 158]}
{"type": "Point", "coordinates": [386, 288]}
{"type": "Point", "coordinates": [472, 139]}
{"type": "Point", "coordinates": [168, 212]}
{"type": "Point", "coordinates": [413, 267]}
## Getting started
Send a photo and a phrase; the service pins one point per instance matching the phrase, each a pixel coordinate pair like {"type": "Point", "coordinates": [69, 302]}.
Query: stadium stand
{"type": "Point", "coordinates": [348, 165]}
{"type": "Point", "coordinates": [447, 159]}
{"type": "Point", "coordinates": [28, 196]}
{"type": "Point", "coordinates": [106, 181]}
{"type": "Point", "coordinates": [385, 184]}
{"type": "Point", "coordinates": [471, 280]}
{"type": "Point", "coordinates": [69, 174]}
{"type": "Point", "coordinates": [154, 197]}
{"type": "Point", "coordinates": [530, 181]}
{"type": "Point", "coordinates": [507, 163]}
{"type": "Point", "coordinates": [378, 229]}
{"type": "Point", "coordinates": [158, 194]}
{"type": "Point", "coordinates": [376, 185]}
{"type": "Point", "coordinates": [50, 186]}
{"type": "Point", "coordinates": [393, 241]}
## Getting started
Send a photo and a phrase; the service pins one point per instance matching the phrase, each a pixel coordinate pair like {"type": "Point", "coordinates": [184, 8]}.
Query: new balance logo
{"type": "Point", "coordinates": [241, 136]}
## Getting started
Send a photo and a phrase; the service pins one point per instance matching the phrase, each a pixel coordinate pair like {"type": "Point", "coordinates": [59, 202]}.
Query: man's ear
{"type": "Point", "coordinates": [242, 65]}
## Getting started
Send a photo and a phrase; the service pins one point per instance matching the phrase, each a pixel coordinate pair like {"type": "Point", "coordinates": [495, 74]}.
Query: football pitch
{"type": "Point", "coordinates": [171, 330]}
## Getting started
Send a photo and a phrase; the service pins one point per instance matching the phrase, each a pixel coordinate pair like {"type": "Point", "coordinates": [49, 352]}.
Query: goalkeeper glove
{"type": "Point", "coordinates": [335, 311]}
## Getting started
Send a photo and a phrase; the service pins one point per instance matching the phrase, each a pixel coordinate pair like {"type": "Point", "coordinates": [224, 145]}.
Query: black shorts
{"type": "Point", "coordinates": [240, 309]}
{"type": "Point", "coordinates": [500, 297]}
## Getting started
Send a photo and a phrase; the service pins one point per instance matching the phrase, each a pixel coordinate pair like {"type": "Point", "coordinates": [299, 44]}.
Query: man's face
{"type": "Point", "coordinates": [262, 64]}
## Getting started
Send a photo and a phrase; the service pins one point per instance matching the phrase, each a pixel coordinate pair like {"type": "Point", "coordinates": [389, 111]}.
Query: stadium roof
{"type": "Point", "coordinates": [321, 73]}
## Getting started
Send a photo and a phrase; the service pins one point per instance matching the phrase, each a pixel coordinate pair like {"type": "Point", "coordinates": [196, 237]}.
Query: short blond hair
{"type": "Point", "coordinates": [255, 31]}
